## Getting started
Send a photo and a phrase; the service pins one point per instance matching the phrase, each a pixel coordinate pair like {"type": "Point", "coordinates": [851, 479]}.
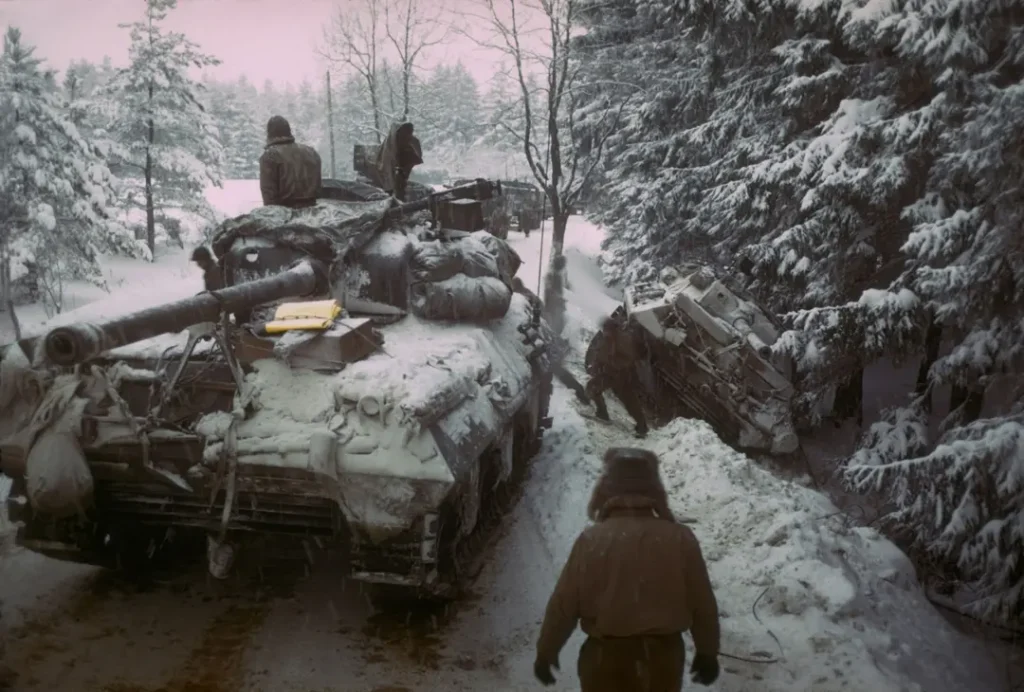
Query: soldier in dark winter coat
{"type": "Point", "coordinates": [611, 364]}
{"type": "Point", "coordinates": [397, 156]}
{"type": "Point", "coordinates": [213, 278]}
{"type": "Point", "coordinates": [290, 173]}
{"type": "Point", "coordinates": [632, 602]}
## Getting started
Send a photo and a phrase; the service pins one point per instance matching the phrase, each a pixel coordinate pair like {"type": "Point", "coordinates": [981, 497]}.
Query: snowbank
{"type": "Point", "coordinates": [587, 298]}
{"type": "Point", "coordinates": [131, 284]}
{"type": "Point", "coordinates": [832, 605]}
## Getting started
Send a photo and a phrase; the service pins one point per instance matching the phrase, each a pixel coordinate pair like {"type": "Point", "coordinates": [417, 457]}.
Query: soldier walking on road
{"type": "Point", "coordinates": [290, 173]}
{"type": "Point", "coordinates": [611, 364]}
{"type": "Point", "coordinates": [635, 581]}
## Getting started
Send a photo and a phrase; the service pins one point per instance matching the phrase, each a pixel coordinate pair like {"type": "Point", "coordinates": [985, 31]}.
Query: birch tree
{"type": "Point", "coordinates": [383, 42]}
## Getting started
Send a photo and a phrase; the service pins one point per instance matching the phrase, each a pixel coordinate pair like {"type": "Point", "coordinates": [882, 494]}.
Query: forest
{"type": "Point", "coordinates": [854, 165]}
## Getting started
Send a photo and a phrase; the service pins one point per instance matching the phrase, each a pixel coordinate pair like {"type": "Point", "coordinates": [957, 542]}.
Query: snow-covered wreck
{"type": "Point", "coordinates": [413, 384]}
{"type": "Point", "coordinates": [710, 357]}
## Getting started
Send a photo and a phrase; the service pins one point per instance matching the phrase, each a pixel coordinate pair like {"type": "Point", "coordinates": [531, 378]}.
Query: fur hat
{"type": "Point", "coordinates": [629, 472]}
{"type": "Point", "coordinates": [277, 126]}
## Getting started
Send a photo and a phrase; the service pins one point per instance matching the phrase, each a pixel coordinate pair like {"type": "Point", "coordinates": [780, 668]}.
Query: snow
{"type": "Point", "coordinates": [235, 197]}
{"type": "Point", "coordinates": [588, 300]}
{"type": "Point", "coordinates": [837, 605]}
{"type": "Point", "coordinates": [130, 284]}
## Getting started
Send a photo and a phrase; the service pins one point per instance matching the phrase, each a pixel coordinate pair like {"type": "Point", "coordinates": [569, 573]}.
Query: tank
{"type": "Point", "coordinates": [384, 428]}
{"type": "Point", "coordinates": [709, 352]}
{"type": "Point", "coordinates": [521, 202]}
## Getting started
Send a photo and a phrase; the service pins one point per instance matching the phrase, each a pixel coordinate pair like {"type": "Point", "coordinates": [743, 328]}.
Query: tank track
{"type": "Point", "coordinates": [460, 565]}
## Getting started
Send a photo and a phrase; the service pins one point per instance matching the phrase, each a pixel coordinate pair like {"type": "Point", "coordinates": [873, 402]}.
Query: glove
{"type": "Point", "coordinates": [704, 670]}
{"type": "Point", "coordinates": [542, 671]}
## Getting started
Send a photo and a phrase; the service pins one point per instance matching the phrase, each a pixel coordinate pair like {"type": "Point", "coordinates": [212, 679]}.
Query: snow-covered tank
{"type": "Point", "coordinates": [381, 414]}
{"type": "Point", "coordinates": [712, 351]}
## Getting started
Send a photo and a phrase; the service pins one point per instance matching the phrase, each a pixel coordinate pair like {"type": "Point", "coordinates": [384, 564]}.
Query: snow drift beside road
{"type": "Point", "coordinates": [837, 605]}
{"type": "Point", "coordinates": [842, 602]}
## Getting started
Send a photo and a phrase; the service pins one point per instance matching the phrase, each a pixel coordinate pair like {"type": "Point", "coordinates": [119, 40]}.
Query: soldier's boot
{"type": "Point", "coordinates": [566, 378]}
{"type": "Point", "coordinates": [596, 393]}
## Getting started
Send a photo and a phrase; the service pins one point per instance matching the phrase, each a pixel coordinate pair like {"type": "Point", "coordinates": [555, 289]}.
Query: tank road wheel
{"type": "Point", "coordinates": [461, 557]}
{"type": "Point", "coordinates": [392, 598]}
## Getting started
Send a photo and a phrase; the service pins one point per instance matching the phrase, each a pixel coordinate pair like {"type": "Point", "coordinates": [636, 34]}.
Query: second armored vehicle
{"type": "Point", "coordinates": [709, 351]}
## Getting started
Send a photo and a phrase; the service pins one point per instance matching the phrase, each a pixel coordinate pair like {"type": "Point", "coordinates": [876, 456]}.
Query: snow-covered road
{"type": "Point", "coordinates": [812, 603]}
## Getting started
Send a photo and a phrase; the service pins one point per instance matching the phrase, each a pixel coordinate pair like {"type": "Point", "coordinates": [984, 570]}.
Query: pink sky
{"type": "Point", "coordinates": [248, 36]}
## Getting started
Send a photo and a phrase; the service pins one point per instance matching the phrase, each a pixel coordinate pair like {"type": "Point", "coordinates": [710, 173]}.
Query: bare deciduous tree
{"type": "Point", "coordinates": [537, 37]}
{"type": "Point", "coordinates": [351, 40]}
{"type": "Point", "coordinates": [364, 34]}
{"type": "Point", "coordinates": [412, 26]}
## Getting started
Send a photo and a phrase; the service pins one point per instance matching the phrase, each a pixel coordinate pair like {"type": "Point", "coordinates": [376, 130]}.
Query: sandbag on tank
{"type": "Point", "coordinates": [434, 261]}
{"type": "Point", "coordinates": [478, 260]}
{"type": "Point", "coordinates": [462, 299]}
{"type": "Point", "coordinates": [57, 476]}
{"type": "Point", "coordinates": [506, 259]}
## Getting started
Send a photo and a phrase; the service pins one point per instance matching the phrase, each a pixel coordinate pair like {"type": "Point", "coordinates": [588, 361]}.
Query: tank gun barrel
{"type": "Point", "coordinates": [79, 342]}
{"type": "Point", "coordinates": [480, 189]}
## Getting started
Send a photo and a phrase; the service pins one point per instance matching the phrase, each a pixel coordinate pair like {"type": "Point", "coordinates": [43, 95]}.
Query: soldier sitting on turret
{"type": "Point", "coordinates": [290, 174]}
{"type": "Point", "coordinates": [213, 278]}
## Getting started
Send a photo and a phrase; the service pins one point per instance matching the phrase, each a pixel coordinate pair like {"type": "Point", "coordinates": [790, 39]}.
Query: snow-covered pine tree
{"type": "Point", "coordinates": [862, 154]}
{"type": "Point", "coordinates": [310, 120]}
{"type": "Point", "coordinates": [55, 188]}
{"type": "Point", "coordinates": [449, 116]}
{"type": "Point", "coordinates": [168, 150]}
{"type": "Point", "coordinates": [240, 133]}
{"type": "Point", "coordinates": [961, 495]}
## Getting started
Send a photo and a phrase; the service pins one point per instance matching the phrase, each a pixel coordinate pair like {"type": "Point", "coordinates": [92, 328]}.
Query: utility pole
{"type": "Point", "coordinates": [330, 124]}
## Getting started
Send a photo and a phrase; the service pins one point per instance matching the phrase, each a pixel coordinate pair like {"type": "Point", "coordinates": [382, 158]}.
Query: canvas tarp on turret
{"type": "Point", "coordinates": [466, 278]}
{"type": "Point", "coordinates": [329, 231]}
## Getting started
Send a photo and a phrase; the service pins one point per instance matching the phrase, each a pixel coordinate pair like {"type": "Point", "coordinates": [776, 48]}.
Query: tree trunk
{"type": "Point", "coordinates": [150, 211]}
{"type": "Point", "coordinates": [849, 400]}
{"type": "Point", "coordinates": [150, 138]}
{"type": "Point", "coordinates": [971, 398]}
{"type": "Point", "coordinates": [7, 294]}
{"type": "Point", "coordinates": [375, 104]}
{"type": "Point", "coordinates": [932, 341]}
{"type": "Point", "coordinates": [330, 124]}
{"type": "Point", "coordinates": [406, 72]}
{"type": "Point", "coordinates": [560, 220]}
